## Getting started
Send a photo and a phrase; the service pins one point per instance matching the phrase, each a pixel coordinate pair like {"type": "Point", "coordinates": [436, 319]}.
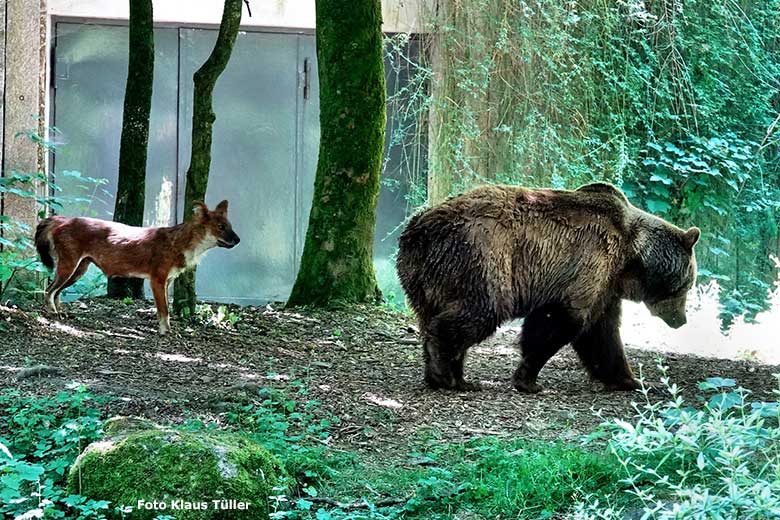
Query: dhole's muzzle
{"type": "Point", "coordinates": [229, 240]}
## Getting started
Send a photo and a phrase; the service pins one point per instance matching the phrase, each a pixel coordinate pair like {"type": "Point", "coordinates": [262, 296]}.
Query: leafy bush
{"type": "Point", "coordinates": [717, 461]}
{"type": "Point", "coordinates": [39, 440]}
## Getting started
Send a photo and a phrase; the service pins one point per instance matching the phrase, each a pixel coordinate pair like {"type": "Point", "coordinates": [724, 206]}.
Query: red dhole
{"type": "Point", "coordinates": [157, 254]}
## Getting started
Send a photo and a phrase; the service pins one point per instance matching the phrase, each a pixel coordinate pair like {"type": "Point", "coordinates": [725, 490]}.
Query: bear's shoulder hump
{"type": "Point", "coordinates": [603, 188]}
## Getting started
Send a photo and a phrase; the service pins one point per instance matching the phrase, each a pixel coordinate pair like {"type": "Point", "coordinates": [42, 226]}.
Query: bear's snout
{"type": "Point", "coordinates": [676, 322]}
{"type": "Point", "coordinates": [672, 312]}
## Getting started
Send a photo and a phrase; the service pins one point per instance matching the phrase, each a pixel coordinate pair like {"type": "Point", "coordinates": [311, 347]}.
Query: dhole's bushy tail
{"type": "Point", "coordinates": [43, 242]}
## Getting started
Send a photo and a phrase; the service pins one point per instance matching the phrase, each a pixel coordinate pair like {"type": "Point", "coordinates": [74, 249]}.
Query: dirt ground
{"type": "Point", "coordinates": [364, 365]}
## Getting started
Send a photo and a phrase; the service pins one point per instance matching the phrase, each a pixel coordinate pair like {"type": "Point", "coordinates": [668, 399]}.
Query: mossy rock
{"type": "Point", "coordinates": [184, 471]}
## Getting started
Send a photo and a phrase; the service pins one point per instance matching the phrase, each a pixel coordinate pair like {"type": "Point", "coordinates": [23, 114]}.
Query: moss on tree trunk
{"type": "Point", "coordinates": [129, 206]}
{"type": "Point", "coordinates": [337, 263]}
{"type": "Point", "coordinates": [203, 118]}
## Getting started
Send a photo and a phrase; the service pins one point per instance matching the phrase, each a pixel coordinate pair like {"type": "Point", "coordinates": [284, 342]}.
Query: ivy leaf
{"type": "Point", "coordinates": [658, 206]}
{"type": "Point", "coordinates": [715, 383]}
{"type": "Point", "coordinates": [303, 504]}
{"type": "Point", "coordinates": [766, 409]}
{"type": "Point", "coordinates": [658, 177]}
{"type": "Point", "coordinates": [725, 401]}
{"type": "Point", "coordinates": [669, 147]}
{"type": "Point", "coordinates": [324, 514]}
{"type": "Point", "coordinates": [29, 472]}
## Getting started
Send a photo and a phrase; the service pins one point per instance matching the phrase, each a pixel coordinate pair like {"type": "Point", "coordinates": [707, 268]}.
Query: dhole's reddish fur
{"type": "Point", "coordinates": [157, 254]}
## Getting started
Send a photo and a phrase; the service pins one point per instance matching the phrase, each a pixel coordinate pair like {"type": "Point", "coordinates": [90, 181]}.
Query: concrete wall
{"type": "Point", "coordinates": [24, 77]}
{"type": "Point", "coordinates": [398, 15]}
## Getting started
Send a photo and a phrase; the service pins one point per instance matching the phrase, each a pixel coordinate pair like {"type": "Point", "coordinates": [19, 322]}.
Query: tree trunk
{"type": "Point", "coordinates": [203, 118]}
{"type": "Point", "coordinates": [129, 207]}
{"type": "Point", "coordinates": [337, 263]}
{"type": "Point", "coordinates": [440, 174]}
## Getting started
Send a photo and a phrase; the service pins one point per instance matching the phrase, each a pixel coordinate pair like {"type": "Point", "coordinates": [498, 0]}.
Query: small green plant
{"type": "Point", "coordinates": [290, 430]}
{"type": "Point", "coordinates": [719, 460]}
{"type": "Point", "coordinates": [222, 318]}
{"type": "Point", "coordinates": [39, 440]}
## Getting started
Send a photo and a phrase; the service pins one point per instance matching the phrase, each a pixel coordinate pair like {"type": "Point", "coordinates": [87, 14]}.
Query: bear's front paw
{"type": "Point", "coordinates": [527, 388]}
{"type": "Point", "coordinates": [467, 386]}
{"type": "Point", "coordinates": [626, 385]}
{"type": "Point", "coordinates": [523, 382]}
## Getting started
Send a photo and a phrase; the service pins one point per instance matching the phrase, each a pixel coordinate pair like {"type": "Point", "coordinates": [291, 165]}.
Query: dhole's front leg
{"type": "Point", "coordinates": [160, 291]}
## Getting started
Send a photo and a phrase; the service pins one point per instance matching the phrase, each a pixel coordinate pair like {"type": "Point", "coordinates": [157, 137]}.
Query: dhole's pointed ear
{"type": "Point", "coordinates": [222, 207]}
{"type": "Point", "coordinates": [690, 238]}
{"type": "Point", "coordinates": [199, 210]}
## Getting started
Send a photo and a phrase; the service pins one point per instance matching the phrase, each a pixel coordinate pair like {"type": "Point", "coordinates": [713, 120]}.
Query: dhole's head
{"type": "Point", "coordinates": [217, 224]}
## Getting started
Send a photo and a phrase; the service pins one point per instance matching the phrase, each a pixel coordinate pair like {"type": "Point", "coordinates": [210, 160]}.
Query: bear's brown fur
{"type": "Point", "coordinates": [561, 259]}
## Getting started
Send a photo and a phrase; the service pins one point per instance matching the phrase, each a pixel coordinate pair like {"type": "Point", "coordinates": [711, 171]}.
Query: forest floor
{"type": "Point", "coordinates": [363, 364]}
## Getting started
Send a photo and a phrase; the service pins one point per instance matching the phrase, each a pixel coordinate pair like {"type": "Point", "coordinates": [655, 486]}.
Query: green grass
{"type": "Point", "coordinates": [490, 477]}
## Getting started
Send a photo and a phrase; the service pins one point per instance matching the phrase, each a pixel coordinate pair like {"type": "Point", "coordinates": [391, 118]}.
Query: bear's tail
{"type": "Point", "coordinates": [43, 242]}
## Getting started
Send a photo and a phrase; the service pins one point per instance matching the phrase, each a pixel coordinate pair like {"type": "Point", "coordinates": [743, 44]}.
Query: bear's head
{"type": "Point", "coordinates": [663, 270]}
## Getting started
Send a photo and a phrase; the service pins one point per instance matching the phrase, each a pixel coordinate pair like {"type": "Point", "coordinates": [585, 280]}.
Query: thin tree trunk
{"type": "Point", "coordinates": [203, 118]}
{"type": "Point", "coordinates": [129, 207]}
{"type": "Point", "coordinates": [337, 263]}
{"type": "Point", "coordinates": [440, 175]}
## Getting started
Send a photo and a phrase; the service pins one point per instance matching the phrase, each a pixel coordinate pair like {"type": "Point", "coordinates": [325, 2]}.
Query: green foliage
{"type": "Point", "coordinates": [675, 101]}
{"type": "Point", "coordinates": [718, 460]}
{"type": "Point", "coordinates": [288, 424]}
{"type": "Point", "coordinates": [222, 318]}
{"type": "Point", "coordinates": [39, 439]}
{"type": "Point", "coordinates": [18, 254]}
{"type": "Point", "coordinates": [488, 478]}
{"type": "Point", "coordinates": [492, 476]}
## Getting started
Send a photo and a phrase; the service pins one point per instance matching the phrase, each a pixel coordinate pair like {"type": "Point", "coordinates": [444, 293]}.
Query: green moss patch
{"type": "Point", "coordinates": [183, 474]}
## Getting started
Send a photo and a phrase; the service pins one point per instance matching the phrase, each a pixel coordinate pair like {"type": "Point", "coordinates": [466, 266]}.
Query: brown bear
{"type": "Point", "coordinates": [561, 259]}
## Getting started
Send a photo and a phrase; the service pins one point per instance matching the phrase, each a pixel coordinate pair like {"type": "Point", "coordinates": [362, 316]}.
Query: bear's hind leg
{"type": "Point", "coordinates": [545, 331]}
{"type": "Point", "coordinates": [447, 338]}
{"type": "Point", "coordinates": [601, 351]}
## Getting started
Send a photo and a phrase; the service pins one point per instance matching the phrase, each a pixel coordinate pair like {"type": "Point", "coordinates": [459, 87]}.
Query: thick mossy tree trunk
{"type": "Point", "coordinates": [337, 262]}
{"type": "Point", "coordinates": [129, 207]}
{"type": "Point", "coordinates": [203, 118]}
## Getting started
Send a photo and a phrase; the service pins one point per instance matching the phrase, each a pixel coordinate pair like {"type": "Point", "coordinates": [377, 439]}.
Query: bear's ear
{"type": "Point", "coordinates": [690, 238]}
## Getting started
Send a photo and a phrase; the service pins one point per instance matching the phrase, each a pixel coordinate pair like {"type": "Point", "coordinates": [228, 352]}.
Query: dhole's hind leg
{"type": "Point", "coordinates": [160, 293]}
{"type": "Point", "coordinates": [63, 272]}
{"type": "Point", "coordinates": [447, 337]}
{"type": "Point", "coordinates": [601, 351]}
{"type": "Point", "coordinates": [545, 331]}
{"type": "Point", "coordinates": [78, 273]}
